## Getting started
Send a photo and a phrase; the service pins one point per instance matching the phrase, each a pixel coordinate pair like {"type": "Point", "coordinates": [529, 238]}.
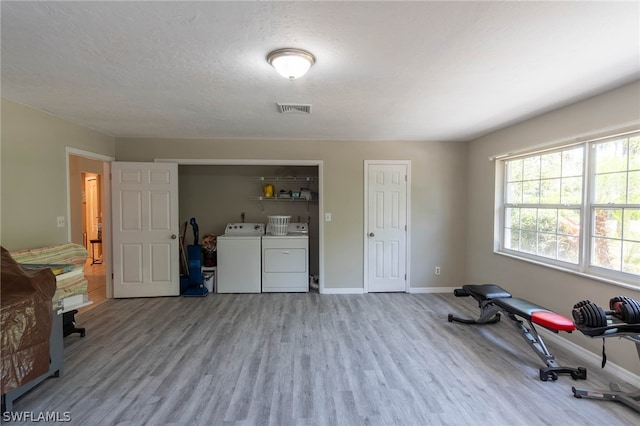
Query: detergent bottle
{"type": "Point", "coordinates": [268, 190]}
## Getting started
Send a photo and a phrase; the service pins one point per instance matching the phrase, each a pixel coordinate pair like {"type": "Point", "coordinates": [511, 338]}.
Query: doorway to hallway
{"type": "Point", "coordinates": [88, 195]}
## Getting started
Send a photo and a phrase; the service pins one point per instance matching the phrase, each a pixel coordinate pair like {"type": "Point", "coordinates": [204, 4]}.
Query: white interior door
{"type": "Point", "coordinates": [145, 229]}
{"type": "Point", "coordinates": [386, 227]}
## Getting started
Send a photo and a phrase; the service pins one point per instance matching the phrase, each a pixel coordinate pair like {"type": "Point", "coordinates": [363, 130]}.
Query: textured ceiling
{"type": "Point", "coordinates": [385, 70]}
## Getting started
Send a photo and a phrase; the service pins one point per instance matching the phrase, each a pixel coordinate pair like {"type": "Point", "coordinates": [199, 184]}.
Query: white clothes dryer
{"type": "Point", "coordinates": [285, 260]}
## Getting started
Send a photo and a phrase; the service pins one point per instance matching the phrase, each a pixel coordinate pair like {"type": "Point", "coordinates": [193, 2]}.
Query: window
{"type": "Point", "coordinates": [577, 207]}
{"type": "Point", "coordinates": [615, 205]}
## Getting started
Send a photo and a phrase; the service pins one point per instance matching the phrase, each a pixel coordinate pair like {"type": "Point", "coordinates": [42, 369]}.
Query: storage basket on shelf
{"type": "Point", "coordinates": [278, 225]}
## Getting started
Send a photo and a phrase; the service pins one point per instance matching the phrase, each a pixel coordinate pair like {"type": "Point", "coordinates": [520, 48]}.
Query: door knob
{"type": "Point", "coordinates": [371, 234]}
{"type": "Point", "coordinates": [173, 236]}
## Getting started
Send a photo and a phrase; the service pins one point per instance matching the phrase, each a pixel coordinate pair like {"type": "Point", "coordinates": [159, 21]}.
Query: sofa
{"type": "Point", "coordinates": [30, 329]}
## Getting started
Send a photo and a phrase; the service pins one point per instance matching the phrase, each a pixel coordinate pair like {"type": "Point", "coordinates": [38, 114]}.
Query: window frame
{"type": "Point", "coordinates": [587, 206]}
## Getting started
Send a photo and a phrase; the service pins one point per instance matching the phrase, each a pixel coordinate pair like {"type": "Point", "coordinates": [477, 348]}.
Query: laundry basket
{"type": "Point", "coordinates": [278, 225]}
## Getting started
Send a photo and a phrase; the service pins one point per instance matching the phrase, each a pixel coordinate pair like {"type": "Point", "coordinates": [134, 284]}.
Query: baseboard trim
{"type": "Point", "coordinates": [343, 291]}
{"type": "Point", "coordinates": [593, 360]}
{"type": "Point", "coordinates": [432, 289]}
{"type": "Point", "coordinates": [411, 290]}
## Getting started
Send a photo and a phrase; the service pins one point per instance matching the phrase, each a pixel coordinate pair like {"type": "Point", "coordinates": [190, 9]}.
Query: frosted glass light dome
{"type": "Point", "coordinates": [291, 63]}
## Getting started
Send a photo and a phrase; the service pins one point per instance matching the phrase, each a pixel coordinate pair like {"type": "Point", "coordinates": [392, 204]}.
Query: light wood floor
{"type": "Point", "coordinates": [309, 359]}
{"type": "Point", "coordinates": [97, 287]}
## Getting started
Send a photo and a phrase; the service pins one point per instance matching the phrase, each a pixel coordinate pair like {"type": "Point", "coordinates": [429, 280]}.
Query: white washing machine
{"type": "Point", "coordinates": [239, 258]}
{"type": "Point", "coordinates": [285, 260]}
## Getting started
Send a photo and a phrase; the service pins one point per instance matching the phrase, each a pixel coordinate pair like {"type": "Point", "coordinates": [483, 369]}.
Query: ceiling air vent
{"type": "Point", "coordinates": [294, 108]}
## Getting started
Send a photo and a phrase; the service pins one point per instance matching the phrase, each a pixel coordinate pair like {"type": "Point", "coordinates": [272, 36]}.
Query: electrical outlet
{"type": "Point", "coordinates": [60, 221]}
{"type": "Point", "coordinates": [437, 271]}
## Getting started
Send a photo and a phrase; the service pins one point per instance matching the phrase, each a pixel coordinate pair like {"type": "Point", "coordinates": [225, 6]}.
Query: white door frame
{"type": "Point", "coordinates": [247, 162]}
{"type": "Point", "coordinates": [106, 206]}
{"type": "Point", "coordinates": [365, 232]}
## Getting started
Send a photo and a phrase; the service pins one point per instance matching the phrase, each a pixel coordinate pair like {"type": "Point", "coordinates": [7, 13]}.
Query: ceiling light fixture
{"type": "Point", "coordinates": [291, 63]}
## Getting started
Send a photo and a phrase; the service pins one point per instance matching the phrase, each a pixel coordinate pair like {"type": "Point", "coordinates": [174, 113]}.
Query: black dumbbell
{"type": "Point", "coordinates": [588, 314]}
{"type": "Point", "coordinates": [626, 309]}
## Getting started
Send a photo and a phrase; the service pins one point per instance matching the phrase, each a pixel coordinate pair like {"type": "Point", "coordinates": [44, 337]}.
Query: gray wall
{"type": "Point", "coordinates": [34, 174]}
{"type": "Point", "coordinates": [438, 196]}
{"type": "Point", "coordinates": [453, 188]}
{"type": "Point", "coordinates": [550, 288]}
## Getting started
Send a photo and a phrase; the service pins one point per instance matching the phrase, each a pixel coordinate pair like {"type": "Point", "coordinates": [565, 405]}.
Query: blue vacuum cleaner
{"type": "Point", "coordinates": [196, 285]}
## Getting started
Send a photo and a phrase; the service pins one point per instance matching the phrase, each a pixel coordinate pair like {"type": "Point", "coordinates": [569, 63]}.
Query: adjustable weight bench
{"type": "Point", "coordinates": [622, 320]}
{"type": "Point", "coordinates": [494, 300]}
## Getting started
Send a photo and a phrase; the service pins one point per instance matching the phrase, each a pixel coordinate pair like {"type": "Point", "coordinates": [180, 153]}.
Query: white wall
{"type": "Point", "coordinates": [34, 174]}
{"type": "Point", "coordinates": [438, 196]}
{"type": "Point", "coordinates": [553, 289]}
